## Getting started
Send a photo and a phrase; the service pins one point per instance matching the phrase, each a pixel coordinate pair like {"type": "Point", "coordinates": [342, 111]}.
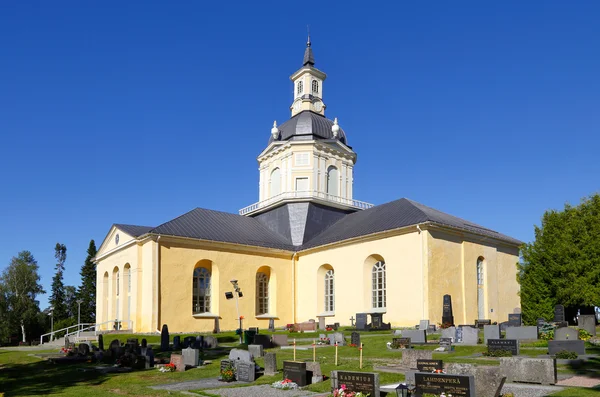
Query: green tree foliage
{"type": "Point", "coordinates": [57, 299]}
{"type": "Point", "coordinates": [87, 289]}
{"type": "Point", "coordinates": [20, 285]}
{"type": "Point", "coordinates": [562, 265]}
{"type": "Point", "coordinates": [71, 302]}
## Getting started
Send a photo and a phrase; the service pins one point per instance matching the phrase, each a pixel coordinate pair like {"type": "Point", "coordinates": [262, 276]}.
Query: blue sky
{"type": "Point", "coordinates": [136, 112]}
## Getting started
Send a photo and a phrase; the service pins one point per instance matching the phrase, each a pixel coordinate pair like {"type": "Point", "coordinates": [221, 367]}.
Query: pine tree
{"type": "Point", "coordinates": [87, 290]}
{"type": "Point", "coordinates": [57, 299]}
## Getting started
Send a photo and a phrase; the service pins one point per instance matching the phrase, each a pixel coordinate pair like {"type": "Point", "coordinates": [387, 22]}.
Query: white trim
{"type": "Point", "coordinates": [266, 316]}
{"type": "Point", "coordinates": [205, 315]}
{"type": "Point", "coordinates": [326, 314]}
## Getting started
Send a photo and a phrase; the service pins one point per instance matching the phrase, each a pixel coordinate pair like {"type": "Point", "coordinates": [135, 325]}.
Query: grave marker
{"type": "Point", "coordinates": [296, 372]}
{"type": "Point", "coordinates": [457, 385]}
{"type": "Point", "coordinates": [559, 313]}
{"type": "Point", "coordinates": [245, 371]}
{"type": "Point", "coordinates": [566, 333]}
{"type": "Point", "coordinates": [482, 323]}
{"type": "Point", "coordinates": [191, 357]}
{"type": "Point", "coordinates": [588, 323]}
{"type": "Point", "coordinates": [576, 346]}
{"type": "Point", "coordinates": [522, 333]}
{"type": "Point", "coordinates": [512, 345]}
{"type": "Point", "coordinates": [177, 342]}
{"type": "Point", "coordinates": [364, 382]}
{"type": "Point", "coordinates": [279, 340]}
{"type": "Point", "coordinates": [164, 338]}
{"type": "Point", "coordinates": [355, 339]}
{"type": "Point", "coordinates": [177, 359]}
{"type": "Point", "coordinates": [447, 316]}
{"type": "Point", "coordinates": [423, 325]}
{"type": "Point", "coordinates": [515, 320]}
{"type": "Point", "coordinates": [270, 363]}
{"type": "Point", "coordinates": [415, 335]}
{"type": "Point", "coordinates": [401, 343]}
{"type": "Point", "coordinates": [429, 365]}
{"type": "Point", "coordinates": [490, 332]}
{"type": "Point", "coordinates": [361, 321]}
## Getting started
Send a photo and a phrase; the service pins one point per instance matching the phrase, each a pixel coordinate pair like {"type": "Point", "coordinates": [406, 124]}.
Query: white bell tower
{"type": "Point", "coordinates": [308, 85]}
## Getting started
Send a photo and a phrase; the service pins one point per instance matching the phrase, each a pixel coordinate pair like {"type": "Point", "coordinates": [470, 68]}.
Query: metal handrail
{"type": "Point", "coordinates": [81, 327]}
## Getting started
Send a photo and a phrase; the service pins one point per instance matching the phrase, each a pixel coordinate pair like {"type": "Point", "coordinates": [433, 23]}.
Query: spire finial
{"type": "Point", "coordinates": [275, 130]}
{"type": "Point", "coordinates": [308, 32]}
{"type": "Point", "coordinates": [335, 128]}
{"type": "Point", "coordinates": [309, 59]}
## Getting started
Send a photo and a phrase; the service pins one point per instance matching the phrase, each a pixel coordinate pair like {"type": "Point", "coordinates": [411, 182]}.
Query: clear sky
{"type": "Point", "coordinates": [137, 112]}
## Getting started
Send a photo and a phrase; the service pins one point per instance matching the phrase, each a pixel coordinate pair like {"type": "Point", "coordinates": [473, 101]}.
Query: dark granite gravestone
{"type": "Point", "coordinates": [114, 348]}
{"type": "Point", "coordinates": [263, 340]}
{"type": "Point", "coordinates": [149, 358]}
{"type": "Point", "coordinates": [588, 323]}
{"type": "Point", "coordinates": [144, 342]}
{"type": "Point", "coordinates": [447, 316]}
{"type": "Point", "coordinates": [361, 321]}
{"type": "Point", "coordinates": [245, 371]}
{"type": "Point", "coordinates": [100, 342]}
{"type": "Point", "coordinates": [515, 320]}
{"type": "Point", "coordinates": [457, 385]}
{"type": "Point", "coordinates": [199, 343]}
{"type": "Point", "coordinates": [164, 338]}
{"type": "Point", "coordinates": [355, 339]}
{"type": "Point", "coordinates": [271, 324]}
{"type": "Point", "coordinates": [296, 372]}
{"type": "Point", "coordinates": [512, 345]}
{"type": "Point", "coordinates": [576, 346]}
{"type": "Point", "coordinates": [559, 313]}
{"type": "Point", "coordinates": [177, 342]}
{"type": "Point", "coordinates": [401, 343]}
{"type": "Point", "coordinates": [336, 326]}
{"type": "Point", "coordinates": [132, 345]}
{"type": "Point", "coordinates": [189, 341]}
{"type": "Point", "coordinates": [481, 323]}
{"type": "Point", "coordinates": [429, 365]}
{"type": "Point", "coordinates": [83, 349]}
{"type": "Point", "coordinates": [541, 322]}
{"type": "Point", "coordinates": [253, 329]}
{"type": "Point", "coordinates": [270, 364]}
{"type": "Point", "coordinates": [364, 382]}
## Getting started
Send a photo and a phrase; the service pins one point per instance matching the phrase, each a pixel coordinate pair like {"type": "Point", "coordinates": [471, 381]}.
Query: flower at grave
{"type": "Point", "coordinates": [285, 384]}
{"type": "Point", "coordinates": [168, 368]}
{"type": "Point", "coordinates": [343, 391]}
{"type": "Point", "coordinates": [352, 345]}
{"type": "Point", "coordinates": [228, 373]}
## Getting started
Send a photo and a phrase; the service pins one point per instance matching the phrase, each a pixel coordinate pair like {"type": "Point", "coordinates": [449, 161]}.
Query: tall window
{"type": "Point", "coordinates": [315, 86]}
{"type": "Point", "coordinates": [378, 273]}
{"type": "Point", "coordinates": [332, 181]}
{"type": "Point", "coordinates": [262, 293]}
{"type": "Point", "coordinates": [480, 271]}
{"type": "Point", "coordinates": [201, 291]}
{"type": "Point", "coordinates": [329, 292]}
{"type": "Point", "coordinates": [118, 276]}
{"type": "Point", "coordinates": [275, 182]}
{"type": "Point", "coordinates": [300, 88]}
{"type": "Point", "coordinates": [128, 275]}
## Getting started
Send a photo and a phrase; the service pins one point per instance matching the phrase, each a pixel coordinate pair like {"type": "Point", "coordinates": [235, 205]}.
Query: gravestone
{"type": "Point", "coordinates": [588, 323]}
{"type": "Point", "coordinates": [449, 332]}
{"type": "Point", "coordinates": [253, 329]}
{"type": "Point", "coordinates": [401, 343]}
{"type": "Point", "coordinates": [377, 322]}
{"type": "Point", "coordinates": [429, 365]}
{"type": "Point", "coordinates": [296, 372]}
{"type": "Point", "coordinates": [469, 335]}
{"type": "Point", "coordinates": [522, 333]}
{"type": "Point", "coordinates": [559, 313]}
{"type": "Point", "coordinates": [245, 371]}
{"type": "Point", "coordinates": [529, 370]}
{"type": "Point", "coordinates": [423, 325]}
{"type": "Point", "coordinates": [216, 327]}
{"type": "Point", "coordinates": [313, 369]}
{"type": "Point", "coordinates": [431, 329]}
{"type": "Point", "coordinates": [270, 364]}
{"type": "Point", "coordinates": [191, 357]}
{"type": "Point", "coordinates": [447, 316]}
{"type": "Point", "coordinates": [164, 338]}
{"type": "Point", "coordinates": [149, 358]}
{"type": "Point", "coordinates": [83, 349]}
{"type": "Point", "coordinates": [364, 382]}
{"type": "Point", "coordinates": [100, 342]}
{"type": "Point", "coordinates": [511, 345]}
{"type": "Point", "coordinates": [272, 324]}
{"type": "Point", "coordinates": [132, 345]}
{"type": "Point", "coordinates": [566, 333]}
{"type": "Point", "coordinates": [210, 342]}
{"type": "Point", "coordinates": [355, 339]}
{"type": "Point", "coordinates": [415, 335]}
{"type": "Point", "coordinates": [279, 340]}
{"type": "Point", "coordinates": [321, 323]}
{"type": "Point", "coordinates": [361, 321]}
{"type": "Point", "coordinates": [503, 326]}
{"type": "Point", "coordinates": [515, 320]}
{"type": "Point", "coordinates": [263, 340]}
{"type": "Point", "coordinates": [446, 344]}
{"type": "Point", "coordinates": [177, 342]}
{"type": "Point", "coordinates": [177, 360]}
{"type": "Point", "coordinates": [540, 322]}
{"type": "Point", "coordinates": [457, 385]}
{"type": "Point", "coordinates": [114, 347]}
{"type": "Point", "coordinates": [410, 357]}
{"type": "Point", "coordinates": [488, 380]}
{"type": "Point", "coordinates": [189, 341]}
{"type": "Point", "coordinates": [224, 365]}
{"type": "Point", "coordinates": [482, 323]}
{"type": "Point", "coordinates": [337, 337]}
{"type": "Point", "coordinates": [490, 332]}
{"type": "Point", "coordinates": [256, 350]}
{"type": "Point", "coordinates": [240, 355]}
{"type": "Point", "coordinates": [576, 346]}
{"type": "Point", "coordinates": [199, 342]}
{"type": "Point", "coordinates": [144, 342]}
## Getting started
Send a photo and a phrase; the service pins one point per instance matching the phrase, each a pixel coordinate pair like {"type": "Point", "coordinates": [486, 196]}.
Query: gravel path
{"type": "Point", "coordinates": [523, 390]}
{"type": "Point", "coordinates": [262, 391]}
{"type": "Point", "coordinates": [207, 383]}
{"type": "Point", "coordinates": [580, 381]}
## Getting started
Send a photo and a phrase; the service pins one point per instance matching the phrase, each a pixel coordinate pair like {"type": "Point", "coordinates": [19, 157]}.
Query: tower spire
{"type": "Point", "coordinates": [309, 59]}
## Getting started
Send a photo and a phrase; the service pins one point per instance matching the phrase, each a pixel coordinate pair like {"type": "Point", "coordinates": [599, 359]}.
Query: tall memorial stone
{"type": "Point", "coordinates": [588, 323]}
{"type": "Point", "coordinates": [270, 364]}
{"type": "Point", "coordinates": [559, 313]}
{"type": "Point", "coordinates": [361, 321]}
{"type": "Point", "coordinates": [164, 338]}
{"type": "Point", "coordinates": [100, 342]}
{"type": "Point", "coordinates": [447, 316]}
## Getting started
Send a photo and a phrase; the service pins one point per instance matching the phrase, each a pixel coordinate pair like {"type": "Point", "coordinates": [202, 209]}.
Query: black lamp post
{"type": "Point", "coordinates": [238, 294]}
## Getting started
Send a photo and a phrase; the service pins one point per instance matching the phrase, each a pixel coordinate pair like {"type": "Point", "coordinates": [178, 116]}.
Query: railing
{"type": "Point", "coordinates": [303, 195]}
{"type": "Point", "coordinates": [82, 327]}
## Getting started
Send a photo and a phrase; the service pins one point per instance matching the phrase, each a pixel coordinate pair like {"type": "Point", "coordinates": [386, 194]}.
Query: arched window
{"type": "Point", "coordinates": [329, 292]}
{"type": "Point", "coordinates": [118, 277]}
{"type": "Point", "coordinates": [315, 86]}
{"type": "Point", "coordinates": [262, 293]}
{"type": "Point", "coordinates": [300, 88]}
{"type": "Point", "coordinates": [201, 291]}
{"type": "Point", "coordinates": [378, 273]}
{"type": "Point", "coordinates": [332, 181]}
{"type": "Point", "coordinates": [275, 182]}
{"type": "Point", "coordinates": [480, 271]}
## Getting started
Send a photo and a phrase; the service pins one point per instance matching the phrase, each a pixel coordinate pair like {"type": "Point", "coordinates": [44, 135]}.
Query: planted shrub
{"type": "Point", "coordinates": [566, 355]}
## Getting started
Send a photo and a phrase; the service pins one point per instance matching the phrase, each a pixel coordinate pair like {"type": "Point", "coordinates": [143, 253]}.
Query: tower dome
{"type": "Point", "coordinates": [308, 125]}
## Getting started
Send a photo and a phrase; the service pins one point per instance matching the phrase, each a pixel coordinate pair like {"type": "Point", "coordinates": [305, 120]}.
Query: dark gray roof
{"type": "Point", "coordinates": [309, 58]}
{"type": "Point", "coordinates": [133, 230]}
{"type": "Point", "coordinates": [219, 226]}
{"type": "Point", "coordinates": [394, 215]}
{"type": "Point", "coordinates": [310, 125]}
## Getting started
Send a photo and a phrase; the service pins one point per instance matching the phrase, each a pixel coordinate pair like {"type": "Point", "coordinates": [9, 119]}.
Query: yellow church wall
{"type": "Point", "coordinates": [507, 277]}
{"type": "Point", "coordinates": [352, 266]}
{"type": "Point", "coordinates": [178, 261]}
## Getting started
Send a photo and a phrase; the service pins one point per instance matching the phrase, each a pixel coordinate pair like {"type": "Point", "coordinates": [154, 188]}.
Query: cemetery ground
{"type": "Point", "coordinates": [22, 373]}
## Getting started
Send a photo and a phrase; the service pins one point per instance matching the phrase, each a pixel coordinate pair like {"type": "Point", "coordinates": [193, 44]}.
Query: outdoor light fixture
{"type": "Point", "coordinates": [228, 295]}
{"type": "Point", "coordinates": [238, 294]}
{"type": "Point", "coordinates": [402, 390]}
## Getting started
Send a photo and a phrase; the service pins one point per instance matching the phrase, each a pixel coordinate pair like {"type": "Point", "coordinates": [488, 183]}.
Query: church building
{"type": "Point", "coordinates": [306, 250]}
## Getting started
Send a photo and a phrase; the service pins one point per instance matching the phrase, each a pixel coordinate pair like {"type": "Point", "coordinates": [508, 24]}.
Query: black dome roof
{"type": "Point", "coordinates": [308, 125]}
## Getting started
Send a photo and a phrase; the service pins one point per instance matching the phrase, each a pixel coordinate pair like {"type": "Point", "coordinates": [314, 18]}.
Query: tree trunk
{"type": "Point", "coordinates": [23, 330]}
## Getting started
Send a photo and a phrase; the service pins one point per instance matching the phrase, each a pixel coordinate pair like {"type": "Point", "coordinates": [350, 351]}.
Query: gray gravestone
{"type": "Point", "coordinates": [491, 332]}
{"type": "Point", "coordinates": [270, 364]}
{"type": "Point", "coordinates": [245, 371]}
{"type": "Point", "coordinates": [423, 325]}
{"type": "Point", "coordinates": [559, 313]}
{"type": "Point", "coordinates": [566, 333]}
{"type": "Point", "coordinates": [210, 342]}
{"type": "Point", "coordinates": [446, 345]}
{"type": "Point", "coordinates": [144, 342]}
{"type": "Point", "coordinates": [522, 333]}
{"type": "Point", "coordinates": [361, 321]}
{"type": "Point", "coordinates": [321, 323]}
{"type": "Point", "coordinates": [337, 337]}
{"type": "Point", "coordinates": [256, 350]}
{"type": "Point", "coordinates": [314, 369]}
{"type": "Point", "coordinates": [164, 338]}
{"type": "Point", "coordinates": [576, 346]}
{"type": "Point", "coordinates": [279, 340]}
{"type": "Point", "coordinates": [364, 382]}
{"type": "Point", "coordinates": [488, 380]}
{"type": "Point", "coordinates": [588, 323]}
{"type": "Point", "coordinates": [355, 339]}
{"type": "Point", "coordinates": [447, 316]}
{"type": "Point", "coordinates": [470, 335]}
{"type": "Point", "coordinates": [449, 332]}
{"type": "Point", "coordinates": [410, 357]}
{"type": "Point", "coordinates": [529, 370]}
{"type": "Point", "coordinates": [191, 357]}
{"type": "Point", "coordinates": [177, 342]}
{"type": "Point", "coordinates": [511, 345]}
{"type": "Point", "coordinates": [415, 335]}
{"type": "Point", "coordinates": [272, 324]}
{"type": "Point", "coordinates": [240, 355]}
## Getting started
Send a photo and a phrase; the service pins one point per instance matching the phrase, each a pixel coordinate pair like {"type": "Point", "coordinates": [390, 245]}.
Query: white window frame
{"type": "Point", "coordinates": [480, 270]}
{"type": "Point", "coordinates": [299, 88]}
{"type": "Point", "coordinates": [329, 283]}
{"type": "Point", "coordinates": [315, 83]}
{"type": "Point", "coordinates": [378, 287]}
{"type": "Point", "coordinates": [302, 159]}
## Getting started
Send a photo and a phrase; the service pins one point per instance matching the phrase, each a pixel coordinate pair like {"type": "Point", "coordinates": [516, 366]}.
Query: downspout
{"type": "Point", "coordinates": [156, 280]}
{"type": "Point", "coordinates": [294, 287]}
{"type": "Point", "coordinates": [422, 269]}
